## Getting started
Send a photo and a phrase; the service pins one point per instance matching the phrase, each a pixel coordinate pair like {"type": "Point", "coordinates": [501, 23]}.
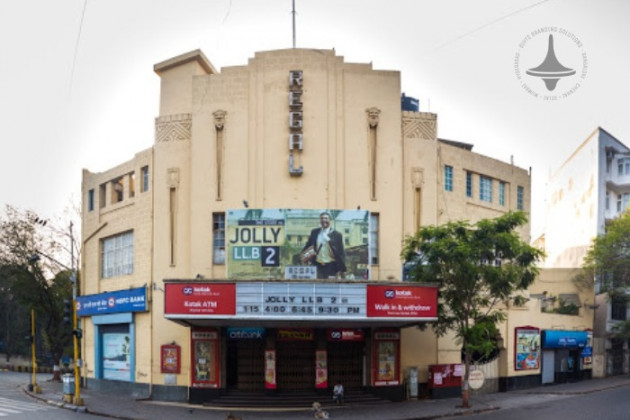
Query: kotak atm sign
{"type": "Point", "coordinates": [401, 301]}
{"type": "Point", "coordinates": [200, 299]}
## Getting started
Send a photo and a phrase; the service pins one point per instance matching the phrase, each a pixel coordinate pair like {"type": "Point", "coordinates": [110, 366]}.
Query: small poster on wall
{"type": "Point", "coordinates": [270, 369]}
{"type": "Point", "coordinates": [527, 352]}
{"type": "Point", "coordinates": [321, 369]}
{"type": "Point", "coordinates": [170, 357]}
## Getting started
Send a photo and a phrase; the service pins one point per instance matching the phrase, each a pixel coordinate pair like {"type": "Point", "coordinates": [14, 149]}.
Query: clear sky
{"type": "Point", "coordinates": [77, 87]}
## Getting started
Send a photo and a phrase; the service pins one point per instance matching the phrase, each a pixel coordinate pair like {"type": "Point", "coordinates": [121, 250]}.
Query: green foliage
{"type": "Point", "coordinates": [24, 286]}
{"type": "Point", "coordinates": [478, 268]}
{"type": "Point", "coordinates": [608, 259]}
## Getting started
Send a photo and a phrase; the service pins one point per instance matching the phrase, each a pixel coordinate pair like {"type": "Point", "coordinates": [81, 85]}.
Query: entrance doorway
{"type": "Point", "coordinates": [295, 362]}
{"type": "Point", "coordinates": [345, 363]}
{"type": "Point", "coordinates": [245, 365]}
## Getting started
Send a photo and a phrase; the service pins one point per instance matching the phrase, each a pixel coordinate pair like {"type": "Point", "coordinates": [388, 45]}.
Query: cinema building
{"type": "Point", "coordinates": [195, 279]}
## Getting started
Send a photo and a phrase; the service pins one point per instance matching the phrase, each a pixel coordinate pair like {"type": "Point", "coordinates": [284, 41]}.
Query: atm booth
{"type": "Point", "coordinates": [298, 335]}
{"type": "Point", "coordinates": [566, 355]}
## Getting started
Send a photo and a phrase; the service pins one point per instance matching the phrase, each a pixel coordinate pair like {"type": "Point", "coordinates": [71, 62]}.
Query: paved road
{"type": "Point", "coordinates": [16, 405]}
{"type": "Point", "coordinates": [611, 404]}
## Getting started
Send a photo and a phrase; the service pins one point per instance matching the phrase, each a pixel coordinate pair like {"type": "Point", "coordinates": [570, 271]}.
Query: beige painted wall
{"type": "Point", "coordinates": [183, 195]}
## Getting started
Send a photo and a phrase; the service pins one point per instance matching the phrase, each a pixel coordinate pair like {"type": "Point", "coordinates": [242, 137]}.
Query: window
{"type": "Point", "coordinates": [624, 201]}
{"type": "Point", "coordinates": [448, 178]}
{"type": "Point", "coordinates": [607, 200]}
{"type": "Point", "coordinates": [145, 179]}
{"type": "Point", "coordinates": [469, 184]}
{"type": "Point", "coordinates": [374, 238]}
{"type": "Point", "coordinates": [117, 190]}
{"type": "Point", "coordinates": [117, 255]}
{"type": "Point", "coordinates": [520, 198]}
{"type": "Point", "coordinates": [502, 193]}
{"type": "Point", "coordinates": [485, 188]}
{"type": "Point", "coordinates": [618, 202]}
{"type": "Point", "coordinates": [618, 310]}
{"type": "Point", "coordinates": [218, 238]}
{"type": "Point", "coordinates": [91, 200]}
{"type": "Point", "coordinates": [132, 184]}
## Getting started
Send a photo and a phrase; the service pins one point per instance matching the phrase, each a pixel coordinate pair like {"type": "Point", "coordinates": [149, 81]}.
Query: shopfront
{"type": "Point", "coordinates": [271, 336]}
{"type": "Point", "coordinates": [563, 356]}
{"type": "Point", "coordinates": [114, 324]}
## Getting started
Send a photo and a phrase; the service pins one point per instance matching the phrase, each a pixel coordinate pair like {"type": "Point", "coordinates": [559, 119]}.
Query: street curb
{"type": "Point", "coordinates": [456, 413]}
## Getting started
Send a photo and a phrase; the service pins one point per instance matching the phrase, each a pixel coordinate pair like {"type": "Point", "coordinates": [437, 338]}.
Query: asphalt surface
{"type": "Point", "coordinates": [126, 407]}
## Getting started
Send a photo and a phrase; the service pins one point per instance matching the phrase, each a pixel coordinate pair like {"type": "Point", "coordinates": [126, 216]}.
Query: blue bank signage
{"type": "Point", "coordinates": [132, 300]}
{"type": "Point", "coordinates": [555, 339]}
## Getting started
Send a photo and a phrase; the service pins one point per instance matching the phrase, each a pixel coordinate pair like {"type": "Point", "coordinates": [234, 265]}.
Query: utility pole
{"type": "Point", "coordinates": [33, 385]}
{"type": "Point", "coordinates": [76, 332]}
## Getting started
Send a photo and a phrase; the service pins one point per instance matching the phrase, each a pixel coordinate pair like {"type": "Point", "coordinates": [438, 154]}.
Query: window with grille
{"type": "Point", "coordinates": [117, 255]}
{"type": "Point", "coordinates": [218, 238]}
{"type": "Point", "coordinates": [520, 198]}
{"type": "Point", "coordinates": [469, 184]}
{"type": "Point", "coordinates": [485, 188]}
{"type": "Point", "coordinates": [502, 193]}
{"type": "Point", "coordinates": [448, 178]}
{"type": "Point", "coordinates": [374, 222]}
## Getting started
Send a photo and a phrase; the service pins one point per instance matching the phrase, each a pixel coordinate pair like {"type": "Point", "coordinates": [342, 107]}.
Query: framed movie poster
{"type": "Point", "coordinates": [170, 357]}
{"type": "Point", "coordinates": [527, 348]}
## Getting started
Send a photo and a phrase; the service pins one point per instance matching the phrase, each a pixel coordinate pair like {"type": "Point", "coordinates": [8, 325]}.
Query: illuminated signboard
{"type": "Point", "coordinates": [304, 301]}
{"type": "Point", "coordinates": [400, 301]}
{"type": "Point", "coordinates": [297, 244]}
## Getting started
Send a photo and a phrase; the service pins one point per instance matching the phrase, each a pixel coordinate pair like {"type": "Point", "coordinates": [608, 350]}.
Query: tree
{"type": "Point", "coordinates": [478, 269]}
{"type": "Point", "coordinates": [608, 261]}
{"type": "Point", "coordinates": [30, 282]}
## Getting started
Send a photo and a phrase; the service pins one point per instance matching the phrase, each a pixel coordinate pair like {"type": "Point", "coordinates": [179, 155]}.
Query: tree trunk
{"type": "Point", "coordinates": [465, 392]}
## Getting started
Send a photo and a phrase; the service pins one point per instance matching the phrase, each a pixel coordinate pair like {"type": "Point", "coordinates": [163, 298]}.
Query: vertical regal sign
{"type": "Point", "coordinates": [296, 137]}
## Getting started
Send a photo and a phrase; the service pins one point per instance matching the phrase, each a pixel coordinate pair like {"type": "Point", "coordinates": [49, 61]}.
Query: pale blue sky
{"type": "Point", "coordinates": [456, 56]}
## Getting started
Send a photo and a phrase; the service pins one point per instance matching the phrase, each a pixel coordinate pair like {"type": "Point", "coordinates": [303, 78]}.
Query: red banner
{"type": "Point", "coordinates": [200, 299]}
{"type": "Point", "coordinates": [401, 301]}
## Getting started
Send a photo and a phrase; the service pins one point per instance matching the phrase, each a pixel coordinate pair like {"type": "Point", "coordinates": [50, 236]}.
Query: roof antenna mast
{"type": "Point", "coordinates": [293, 13]}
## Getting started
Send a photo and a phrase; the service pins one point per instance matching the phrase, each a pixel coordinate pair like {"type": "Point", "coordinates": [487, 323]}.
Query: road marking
{"type": "Point", "coordinates": [10, 406]}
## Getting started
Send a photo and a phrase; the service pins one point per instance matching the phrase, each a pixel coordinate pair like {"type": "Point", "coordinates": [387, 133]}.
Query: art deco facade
{"type": "Point", "coordinates": [291, 132]}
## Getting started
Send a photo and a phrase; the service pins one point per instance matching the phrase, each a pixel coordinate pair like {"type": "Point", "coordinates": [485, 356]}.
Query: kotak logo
{"type": "Point", "coordinates": [335, 335]}
{"type": "Point", "coordinates": [188, 290]}
{"type": "Point", "coordinates": [390, 294]}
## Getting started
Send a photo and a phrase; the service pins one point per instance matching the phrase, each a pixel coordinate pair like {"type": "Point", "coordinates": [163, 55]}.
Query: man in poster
{"type": "Point", "coordinates": [327, 249]}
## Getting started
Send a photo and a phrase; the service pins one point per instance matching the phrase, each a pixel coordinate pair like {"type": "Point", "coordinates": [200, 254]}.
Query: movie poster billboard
{"type": "Point", "coordinates": [527, 352]}
{"type": "Point", "coordinates": [292, 244]}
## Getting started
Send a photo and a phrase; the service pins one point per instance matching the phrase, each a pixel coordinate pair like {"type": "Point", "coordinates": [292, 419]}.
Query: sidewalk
{"type": "Point", "coordinates": [127, 408]}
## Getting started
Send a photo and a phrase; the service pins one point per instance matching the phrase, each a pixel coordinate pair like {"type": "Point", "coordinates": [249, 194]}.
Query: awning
{"type": "Point", "coordinates": [558, 339]}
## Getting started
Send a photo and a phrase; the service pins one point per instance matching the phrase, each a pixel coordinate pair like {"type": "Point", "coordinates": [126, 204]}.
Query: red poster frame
{"type": "Point", "coordinates": [379, 339]}
{"type": "Point", "coordinates": [523, 364]}
{"type": "Point", "coordinates": [210, 336]}
{"type": "Point", "coordinates": [170, 358]}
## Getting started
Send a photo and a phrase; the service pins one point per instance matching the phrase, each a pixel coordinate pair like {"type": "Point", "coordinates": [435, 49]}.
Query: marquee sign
{"type": "Point", "coordinates": [301, 301]}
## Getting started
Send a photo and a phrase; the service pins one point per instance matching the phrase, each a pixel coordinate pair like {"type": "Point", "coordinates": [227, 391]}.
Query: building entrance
{"type": "Point", "coordinates": [245, 365]}
{"type": "Point", "coordinates": [346, 363]}
{"type": "Point", "coordinates": [295, 365]}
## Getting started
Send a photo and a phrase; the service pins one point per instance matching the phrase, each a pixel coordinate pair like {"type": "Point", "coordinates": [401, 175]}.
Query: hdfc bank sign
{"type": "Point", "coordinates": [401, 301]}
{"type": "Point", "coordinates": [200, 299]}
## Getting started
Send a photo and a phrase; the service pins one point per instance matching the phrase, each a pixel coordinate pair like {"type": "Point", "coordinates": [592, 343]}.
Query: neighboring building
{"type": "Point", "coordinates": [192, 281]}
{"type": "Point", "coordinates": [591, 187]}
